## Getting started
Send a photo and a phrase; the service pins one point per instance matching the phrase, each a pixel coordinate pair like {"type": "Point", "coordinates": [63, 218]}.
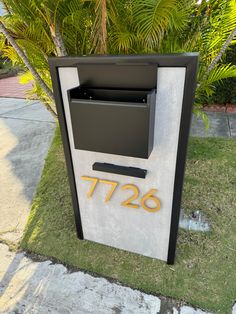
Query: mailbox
{"type": "Point", "coordinates": [124, 123]}
{"type": "Point", "coordinates": [114, 121]}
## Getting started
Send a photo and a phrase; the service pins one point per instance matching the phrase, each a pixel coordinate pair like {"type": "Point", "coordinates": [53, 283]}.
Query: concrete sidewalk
{"type": "Point", "coordinates": [43, 287]}
{"type": "Point", "coordinates": [26, 286]}
{"type": "Point", "coordinates": [221, 124]}
{"type": "Point", "coordinates": [26, 132]}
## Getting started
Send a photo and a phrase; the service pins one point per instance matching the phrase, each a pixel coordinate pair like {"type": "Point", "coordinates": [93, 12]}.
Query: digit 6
{"type": "Point", "coordinates": [149, 196]}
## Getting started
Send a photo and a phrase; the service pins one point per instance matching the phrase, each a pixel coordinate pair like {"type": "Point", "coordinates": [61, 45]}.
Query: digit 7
{"type": "Point", "coordinates": [113, 187]}
{"type": "Point", "coordinates": [95, 181]}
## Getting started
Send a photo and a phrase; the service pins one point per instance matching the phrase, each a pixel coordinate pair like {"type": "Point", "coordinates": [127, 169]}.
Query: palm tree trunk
{"type": "Point", "coordinates": [100, 27]}
{"type": "Point", "coordinates": [57, 38]}
{"type": "Point", "coordinates": [104, 27]}
{"type": "Point", "coordinates": [28, 65]}
{"type": "Point", "coordinates": [59, 43]}
{"type": "Point", "coordinates": [220, 54]}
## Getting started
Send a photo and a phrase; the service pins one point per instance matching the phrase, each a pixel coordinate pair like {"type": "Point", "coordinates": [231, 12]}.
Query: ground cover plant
{"type": "Point", "coordinates": [204, 273]}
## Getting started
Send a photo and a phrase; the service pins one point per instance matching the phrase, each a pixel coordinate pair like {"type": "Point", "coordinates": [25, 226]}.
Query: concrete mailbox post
{"type": "Point", "coordinates": [125, 122]}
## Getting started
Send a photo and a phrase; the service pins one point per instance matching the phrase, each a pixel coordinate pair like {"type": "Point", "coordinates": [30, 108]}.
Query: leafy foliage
{"type": "Point", "coordinates": [220, 72]}
{"type": "Point", "coordinates": [225, 91]}
{"type": "Point", "coordinates": [153, 19]}
{"type": "Point", "coordinates": [124, 27]}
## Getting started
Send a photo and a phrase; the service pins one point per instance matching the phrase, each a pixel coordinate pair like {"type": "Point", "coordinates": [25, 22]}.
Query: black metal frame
{"type": "Point", "coordinates": [190, 62]}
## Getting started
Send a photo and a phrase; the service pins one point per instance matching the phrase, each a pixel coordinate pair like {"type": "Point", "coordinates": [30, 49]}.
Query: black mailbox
{"type": "Point", "coordinates": [113, 121]}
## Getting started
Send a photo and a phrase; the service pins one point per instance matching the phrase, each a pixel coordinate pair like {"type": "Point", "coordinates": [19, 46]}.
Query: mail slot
{"type": "Point", "coordinates": [113, 121]}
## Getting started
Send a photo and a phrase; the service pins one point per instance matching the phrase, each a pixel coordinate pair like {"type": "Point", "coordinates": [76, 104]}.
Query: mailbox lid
{"type": "Point", "coordinates": [121, 74]}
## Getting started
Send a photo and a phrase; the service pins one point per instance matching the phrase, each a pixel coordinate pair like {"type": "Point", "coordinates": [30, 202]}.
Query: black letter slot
{"type": "Point", "coordinates": [126, 171]}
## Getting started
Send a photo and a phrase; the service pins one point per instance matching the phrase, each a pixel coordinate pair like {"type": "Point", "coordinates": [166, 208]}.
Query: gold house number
{"type": "Point", "coordinates": [130, 202]}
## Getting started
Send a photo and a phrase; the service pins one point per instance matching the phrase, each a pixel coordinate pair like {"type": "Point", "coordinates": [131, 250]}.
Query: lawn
{"type": "Point", "coordinates": [204, 274]}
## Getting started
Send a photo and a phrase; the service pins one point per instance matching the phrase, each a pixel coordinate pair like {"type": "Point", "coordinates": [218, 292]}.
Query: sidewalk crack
{"type": "Point", "coordinates": [33, 120]}
{"type": "Point", "coordinates": [230, 133]}
{"type": "Point", "coordinates": [12, 246]}
{"type": "Point", "coordinates": [28, 105]}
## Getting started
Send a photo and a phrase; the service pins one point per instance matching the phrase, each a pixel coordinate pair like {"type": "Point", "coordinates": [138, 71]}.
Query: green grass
{"type": "Point", "coordinates": [205, 270]}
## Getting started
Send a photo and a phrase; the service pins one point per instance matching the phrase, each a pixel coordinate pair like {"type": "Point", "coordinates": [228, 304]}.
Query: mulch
{"type": "Point", "coordinates": [229, 108]}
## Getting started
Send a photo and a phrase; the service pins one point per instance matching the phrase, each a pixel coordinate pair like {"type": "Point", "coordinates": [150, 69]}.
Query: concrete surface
{"type": "Point", "coordinates": [234, 309]}
{"type": "Point", "coordinates": [232, 124]}
{"type": "Point", "coordinates": [221, 125]}
{"type": "Point", "coordinates": [26, 131]}
{"type": "Point", "coordinates": [196, 221]}
{"type": "Point", "coordinates": [189, 310]}
{"type": "Point", "coordinates": [42, 287]}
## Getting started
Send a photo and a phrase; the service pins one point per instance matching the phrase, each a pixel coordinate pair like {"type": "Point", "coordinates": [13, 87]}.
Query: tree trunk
{"type": "Point", "coordinates": [220, 54]}
{"type": "Point", "coordinates": [28, 65]}
{"type": "Point", "coordinates": [104, 27]}
{"type": "Point", "coordinates": [57, 39]}
{"type": "Point", "coordinates": [100, 27]}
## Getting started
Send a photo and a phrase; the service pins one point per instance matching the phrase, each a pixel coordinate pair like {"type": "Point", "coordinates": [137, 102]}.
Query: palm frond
{"type": "Point", "coordinates": [153, 18]}
{"type": "Point", "coordinates": [207, 86]}
{"type": "Point", "coordinates": [123, 41]}
{"type": "Point", "coordinates": [221, 72]}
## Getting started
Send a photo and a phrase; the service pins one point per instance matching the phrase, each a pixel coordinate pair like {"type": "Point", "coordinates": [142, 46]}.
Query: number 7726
{"type": "Point", "coordinates": [148, 197]}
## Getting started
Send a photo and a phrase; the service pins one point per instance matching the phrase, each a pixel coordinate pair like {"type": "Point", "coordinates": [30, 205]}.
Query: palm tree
{"type": "Point", "coordinates": [32, 34]}
{"type": "Point", "coordinates": [47, 10]}
{"type": "Point", "coordinates": [40, 16]}
{"type": "Point", "coordinates": [217, 33]}
{"type": "Point", "coordinates": [26, 61]}
{"type": "Point", "coordinates": [141, 26]}
{"type": "Point", "coordinates": [43, 28]}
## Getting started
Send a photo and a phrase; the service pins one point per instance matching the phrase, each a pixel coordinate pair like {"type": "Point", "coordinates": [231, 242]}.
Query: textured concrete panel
{"type": "Point", "coordinates": [132, 229]}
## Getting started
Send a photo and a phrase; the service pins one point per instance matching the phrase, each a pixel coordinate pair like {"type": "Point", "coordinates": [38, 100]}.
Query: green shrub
{"type": "Point", "coordinates": [226, 90]}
